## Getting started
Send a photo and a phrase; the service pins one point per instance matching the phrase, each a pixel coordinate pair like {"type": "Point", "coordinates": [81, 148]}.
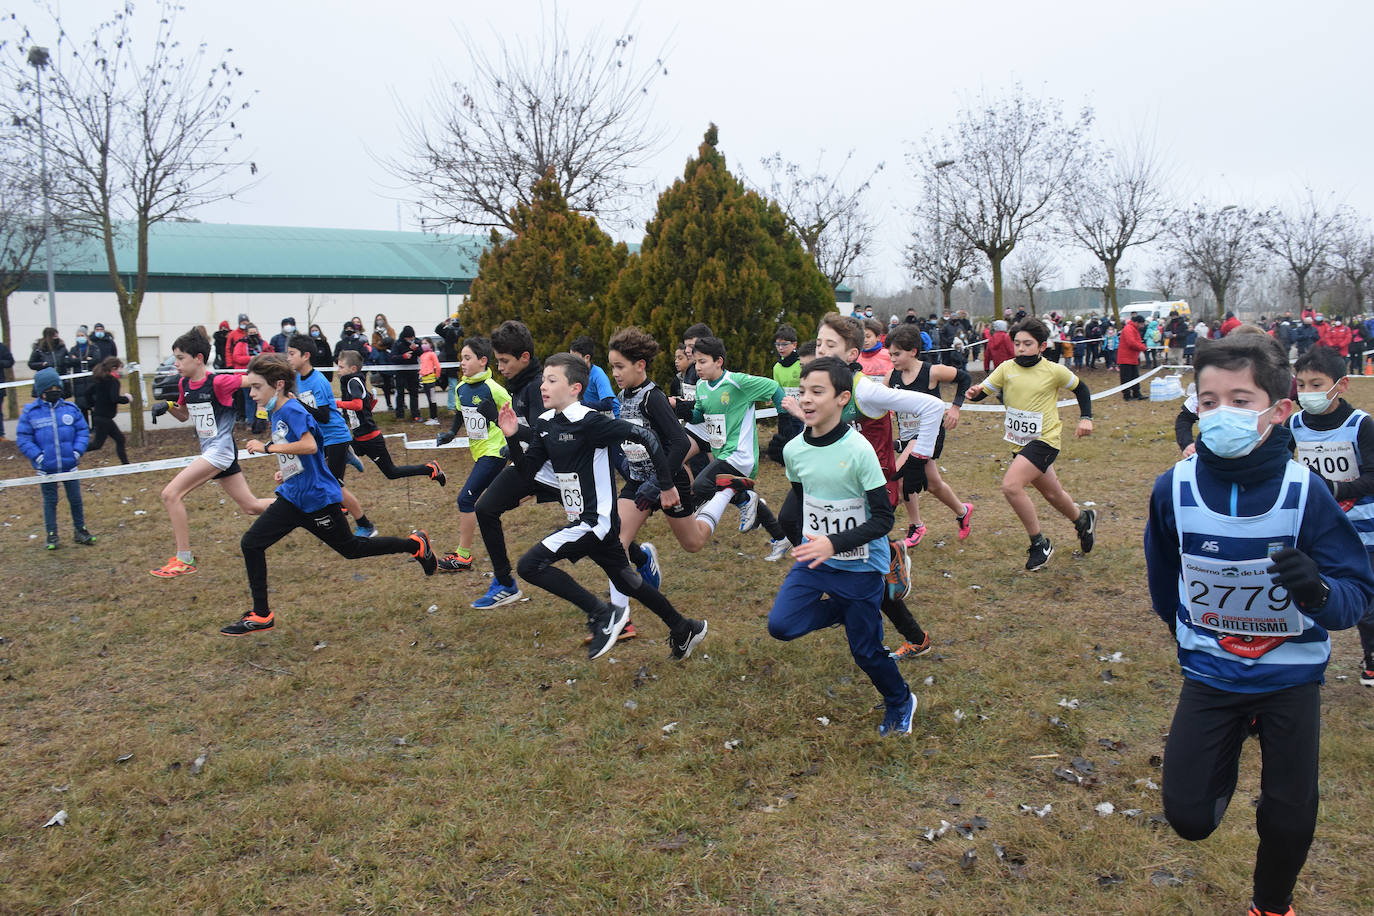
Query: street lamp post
{"type": "Point", "coordinates": [38, 59]}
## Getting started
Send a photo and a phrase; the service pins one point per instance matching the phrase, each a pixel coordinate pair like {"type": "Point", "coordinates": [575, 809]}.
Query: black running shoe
{"type": "Point", "coordinates": [82, 536]}
{"type": "Point", "coordinates": [683, 643]}
{"type": "Point", "coordinates": [1039, 554]}
{"type": "Point", "coordinates": [1086, 526]}
{"type": "Point", "coordinates": [424, 553]}
{"type": "Point", "coordinates": [605, 625]}
{"type": "Point", "coordinates": [250, 623]}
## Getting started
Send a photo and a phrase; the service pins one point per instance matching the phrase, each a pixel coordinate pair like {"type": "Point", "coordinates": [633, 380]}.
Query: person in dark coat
{"type": "Point", "coordinates": [321, 358]}
{"type": "Point", "coordinates": [103, 343]}
{"type": "Point", "coordinates": [406, 352]}
{"type": "Point", "coordinates": [48, 351]}
{"type": "Point", "coordinates": [222, 346]}
{"type": "Point", "coordinates": [82, 356]}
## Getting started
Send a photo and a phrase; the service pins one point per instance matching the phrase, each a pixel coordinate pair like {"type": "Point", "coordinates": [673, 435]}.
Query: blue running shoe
{"type": "Point", "coordinates": [898, 720]}
{"type": "Point", "coordinates": [366, 531]}
{"type": "Point", "coordinates": [353, 460]}
{"type": "Point", "coordinates": [650, 572]}
{"type": "Point", "coordinates": [498, 595]}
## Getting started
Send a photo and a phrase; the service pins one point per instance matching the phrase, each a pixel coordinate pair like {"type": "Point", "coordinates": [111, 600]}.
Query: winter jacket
{"type": "Point", "coordinates": [244, 352]}
{"type": "Point", "coordinates": [1338, 339]}
{"type": "Point", "coordinates": [999, 349]}
{"type": "Point", "coordinates": [52, 436]}
{"type": "Point", "coordinates": [106, 396]}
{"type": "Point", "coordinates": [1129, 346]}
{"type": "Point", "coordinates": [41, 357]}
{"type": "Point", "coordinates": [80, 358]}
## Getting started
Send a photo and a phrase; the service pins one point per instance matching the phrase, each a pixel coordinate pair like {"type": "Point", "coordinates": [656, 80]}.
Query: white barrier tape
{"type": "Point", "coordinates": [28, 382]}
{"type": "Point", "coordinates": [998, 408]}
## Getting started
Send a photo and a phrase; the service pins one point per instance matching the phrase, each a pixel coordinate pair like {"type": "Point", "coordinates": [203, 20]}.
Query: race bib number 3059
{"type": "Point", "coordinates": [1021, 427]}
{"type": "Point", "coordinates": [1238, 597]}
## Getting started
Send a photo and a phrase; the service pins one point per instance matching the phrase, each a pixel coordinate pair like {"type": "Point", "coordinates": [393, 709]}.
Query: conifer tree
{"type": "Point", "coordinates": [718, 253]}
{"type": "Point", "coordinates": [553, 274]}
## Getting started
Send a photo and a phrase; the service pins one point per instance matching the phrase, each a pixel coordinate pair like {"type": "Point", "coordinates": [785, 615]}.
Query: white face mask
{"type": "Point", "coordinates": [1317, 401]}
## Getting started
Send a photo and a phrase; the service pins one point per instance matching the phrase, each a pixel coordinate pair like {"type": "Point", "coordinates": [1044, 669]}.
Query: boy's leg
{"type": "Point", "coordinates": [121, 447]}
{"type": "Point", "coordinates": [330, 525]}
{"type": "Point", "coordinates": [1289, 724]}
{"type": "Point", "coordinates": [49, 507]}
{"type": "Point", "coordinates": [536, 566]}
{"type": "Point", "coordinates": [190, 477]}
{"type": "Point", "coordinates": [375, 449]}
{"type": "Point", "coordinates": [801, 605]}
{"type": "Point", "coordinates": [611, 557]}
{"type": "Point", "coordinates": [1202, 757]}
{"type": "Point", "coordinates": [895, 610]}
{"type": "Point", "coordinates": [1366, 629]}
{"type": "Point", "coordinates": [860, 597]}
{"type": "Point", "coordinates": [1049, 486]}
{"type": "Point", "coordinates": [1020, 475]}
{"type": "Point", "coordinates": [73, 488]}
{"type": "Point", "coordinates": [483, 472]}
{"type": "Point", "coordinates": [503, 494]}
{"type": "Point", "coordinates": [280, 519]}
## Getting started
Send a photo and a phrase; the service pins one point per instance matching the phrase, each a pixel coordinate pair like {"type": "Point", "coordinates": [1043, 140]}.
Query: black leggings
{"type": "Point", "coordinates": [375, 449]}
{"type": "Point", "coordinates": [105, 427]}
{"type": "Point", "coordinates": [704, 487]}
{"type": "Point", "coordinates": [408, 386]}
{"type": "Point", "coordinates": [1201, 760]}
{"type": "Point", "coordinates": [536, 567]}
{"type": "Point", "coordinates": [504, 494]}
{"type": "Point", "coordinates": [327, 524]}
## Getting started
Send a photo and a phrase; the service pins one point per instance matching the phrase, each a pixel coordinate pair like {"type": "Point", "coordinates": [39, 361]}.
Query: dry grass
{"type": "Point", "coordinates": [525, 783]}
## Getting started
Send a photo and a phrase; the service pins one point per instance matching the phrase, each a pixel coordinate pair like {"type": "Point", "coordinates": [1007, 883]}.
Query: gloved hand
{"type": "Point", "coordinates": [445, 437]}
{"type": "Point", "coordinates": [1298, 573]}
{"type": "Point", "coordinates": [158, 409]}
{"type": "Point", "coordinates": [646, 497]}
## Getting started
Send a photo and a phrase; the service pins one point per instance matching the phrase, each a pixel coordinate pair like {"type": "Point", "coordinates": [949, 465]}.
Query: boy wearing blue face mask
{"type": "Point", "coordinates": [1250, 562]}
{"type": "Point", "coordinates": [1337, 442]}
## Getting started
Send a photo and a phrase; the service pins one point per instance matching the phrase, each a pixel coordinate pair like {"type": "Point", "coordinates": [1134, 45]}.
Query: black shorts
{"type": "Point", "coordinates": [1040, 454]}
{"type": "Point", "coordinates": [576, 541]}
{"type": "Point", "coordinates": [686, 506]}
{"type": "Point", "coordinates": [229, 471]}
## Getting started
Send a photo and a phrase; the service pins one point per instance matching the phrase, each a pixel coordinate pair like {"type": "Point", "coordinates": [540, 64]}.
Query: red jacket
{"type": "Point", "coordinates": [1229, 325]}
{"type": "Point", "coordinates": [998, 350]}
{"type": "Point", "coordinates": [1337, 338]}
{"type": "Point", "coordinates": [1130, 346]}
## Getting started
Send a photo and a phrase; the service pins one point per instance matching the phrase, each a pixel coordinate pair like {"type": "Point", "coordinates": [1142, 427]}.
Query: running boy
{"type": "Point", "coordinates": [480, 400]}
{"type": "Point", "coordinates": [1027, 384]}
{"type": "Point", "coordinates": [842, 550]}
{"type": "Point", "coordinates": [598, 395]}
{"type": "Point", "coordinates": [787, 373]}
{"type": "Point", "coordinates": [1337, 442]}
{"type": "Point", "coordinates": [1250, 562]}
{"type": "Point", "coordinates": [208, 400]}
{"type": "Point", "coordinates": [355, 403]}
{"type": "Point", "coordinates": [577, 441]}
{"type": "Point", "coordinates": [309, 496]}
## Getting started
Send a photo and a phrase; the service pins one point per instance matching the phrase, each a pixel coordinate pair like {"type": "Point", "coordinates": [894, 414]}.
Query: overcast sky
{"type": "Point", "coordinates": [1250, 102]}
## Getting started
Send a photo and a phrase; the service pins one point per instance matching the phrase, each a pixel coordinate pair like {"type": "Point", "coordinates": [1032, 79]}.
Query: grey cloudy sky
{"type": "Point", "coordinates": [1249, 101]}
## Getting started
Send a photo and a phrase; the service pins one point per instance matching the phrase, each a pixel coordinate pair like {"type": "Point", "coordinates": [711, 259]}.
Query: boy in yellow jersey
{"type": "Point", "coordinates": [1027, 385]}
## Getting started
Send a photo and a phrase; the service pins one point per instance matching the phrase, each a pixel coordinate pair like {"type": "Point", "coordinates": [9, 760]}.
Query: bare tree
{"type": "Point", "coordinates": [138, 133]}
{"type": "Point", "coordinates": [1116, 204]}
{"type": "Point", "coordinates": [1352, 256]}
{"type": "Point", "coordinates": [1033, 267]}
{"type": "Point", "coordinates": [940, 258]}
{"type": "Point", "coordinates": [825, 213]}
{"type": "Point", "coordinates": [578, 112]}
{"type": "Point", "coordinates": [21, 236]}
{"type": "Point", "coordinates": [1010, 162]}
{"type": "Point", "coordinates": [1301, 235]}
{"type": "Point", "coordinates": [1167, 278]}
{"type": "Point", "coordinates": [1215, 245]}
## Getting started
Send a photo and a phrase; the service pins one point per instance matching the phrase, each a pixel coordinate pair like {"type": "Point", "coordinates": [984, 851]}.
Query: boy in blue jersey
{"type": "Point", "coordinates": [1337, 442]}
{"type": "Point", "coordinates": [1251, 561]}
{"type": "Point", "coordinates": [599, 394]}
{"type": "Point", "coordinates": [842, 552]}
{"type": "Point", "coordinates": [309, 496]}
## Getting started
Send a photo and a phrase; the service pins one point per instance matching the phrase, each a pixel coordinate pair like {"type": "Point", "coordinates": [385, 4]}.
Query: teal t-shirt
{"type": "Point", "coordinates": [835, 481]}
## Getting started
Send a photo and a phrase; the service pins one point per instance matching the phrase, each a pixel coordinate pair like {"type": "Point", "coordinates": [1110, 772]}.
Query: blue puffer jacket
{"type": "Point", "coordinates": [52, 436]}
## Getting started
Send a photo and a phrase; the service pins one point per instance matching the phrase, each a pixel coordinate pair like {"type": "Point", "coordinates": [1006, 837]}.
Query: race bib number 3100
{"type": "Point", "coordinates": [1334, 461]}
{"type": "Point", "coordinates": [828, 517]}
{"type": "Point", "coordinates": [1238, 597]}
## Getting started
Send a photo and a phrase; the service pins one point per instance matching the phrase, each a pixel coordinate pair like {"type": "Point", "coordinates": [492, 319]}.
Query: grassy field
{"type": "Point", "coordinates": [387, 748]}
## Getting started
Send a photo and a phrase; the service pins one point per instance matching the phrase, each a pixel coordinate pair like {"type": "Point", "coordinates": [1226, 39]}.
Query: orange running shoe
{"type": "Point", "coordinates": [173, 568]}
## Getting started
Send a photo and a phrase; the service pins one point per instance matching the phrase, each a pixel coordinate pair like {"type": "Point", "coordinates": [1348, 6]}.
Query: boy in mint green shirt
{"type": "Point", "coordinates": [842, 557]}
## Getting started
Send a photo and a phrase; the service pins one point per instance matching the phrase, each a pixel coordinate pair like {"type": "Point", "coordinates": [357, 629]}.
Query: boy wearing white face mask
{"type": "Point", "coordinates": [1337, 442]}
{"type": "Point", "coordinates": [1250, 562]}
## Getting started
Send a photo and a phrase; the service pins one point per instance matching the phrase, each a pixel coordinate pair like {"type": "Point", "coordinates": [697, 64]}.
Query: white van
{"type": "Point", "coordinates": [1154, 309]}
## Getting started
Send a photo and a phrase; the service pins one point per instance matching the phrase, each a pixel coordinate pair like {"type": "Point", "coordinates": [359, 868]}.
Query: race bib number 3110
{"type": "Point", "coordinates": [829, 517]}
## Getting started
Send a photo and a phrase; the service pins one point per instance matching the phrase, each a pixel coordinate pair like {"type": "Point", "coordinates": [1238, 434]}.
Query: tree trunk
{"type": "Point", "coordinates": [995, 263]}
{"type": "Point", "coordinates": [1219, 291]}
{"type": "Point", "coordinates": [1109, 292]}
{"type": "Point", "coordinates": [128, 318]}
{"type": "Point", "coordinates": [947, 294]}
{"type": "Point", "coordinates": [1030, 294]}
{"type": "Point", "coordinates": [12, 395]}
{"type": "Point", "coordinates": [1302, 289]}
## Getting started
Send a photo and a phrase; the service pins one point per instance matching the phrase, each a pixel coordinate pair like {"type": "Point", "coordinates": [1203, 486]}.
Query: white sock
{"type": "Point", "coordinates": [185, 557]}
{"type": "Point", "coordinates": [715, 508]}
{"type": "Point", "coordinates": [618, 598]}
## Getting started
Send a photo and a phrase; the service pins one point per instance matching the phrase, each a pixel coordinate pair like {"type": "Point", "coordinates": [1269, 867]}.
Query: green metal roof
{"type": "Point", "coordinates": [213, 257]}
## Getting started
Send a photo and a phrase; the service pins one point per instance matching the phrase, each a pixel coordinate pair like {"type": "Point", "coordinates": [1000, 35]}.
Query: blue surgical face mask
{"type": "Point", "coordinates": [1231, 432]}
{"type": "Point", "coordinates": [1317, 401]}
{"type": "Point", "coordinates": [272, 404]}
{"type": "Point", "coordinates": [81, 338]}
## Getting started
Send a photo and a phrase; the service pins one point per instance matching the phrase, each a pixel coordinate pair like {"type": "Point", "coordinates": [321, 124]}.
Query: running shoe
{"type": "Point", "coordinates": [173, 568]}
{"type": "Point", "coordinates": [777, 550]}
{"type": "Point", "coordinates": [897, 721]}
{"type": "Point", "coordinates": [605, 624]}
{"type": "Point", "coordinates": [650, 572]}
{"type": "Point", "coordinates": [683, 643]}
{"type": "Point", "coordinates": [249, 623]}
{"type": "Point", "coordinates": [52, 542]}
{"type": "Point", "coordinates": [914, 534]}
{"type": "Point", "coordinates": [909, 650]}
{"type": "Point", "coordinates": [749, 512]}
{"type": "Point", "coordinates": [452, 562]}
{"type": "Point", "coordinates": [424, 552]}
{"type": "Point", "coordinates": [734, 482]}
{"type": "Point", "coordinates": [498, 595]}
{"type": "Point", "coordinates": [899, 572]}
{"type": "Point", "coordinates": [83, 536]}
{"type": "Point", "coordinates": [1086, 526]}
{"type": "Point", "coordinates": [627, 633]}
{"type": "Point", "coordinates": [366, 531]}
{"type": "Point", "coordinates": [1039, 554]}
{"type": "Point", "coordinates": [431, 422]}
{"type": "Point", "coordinates": [966, 522]}
{"type": "Point", "coordinates": [1367, 672]}
{"type": "Point", "coordinates": [1256, 911]}
{"type": "Point", "coordinates": [353, 460]}
{"type": "Point", "coordinates": [436, 473]}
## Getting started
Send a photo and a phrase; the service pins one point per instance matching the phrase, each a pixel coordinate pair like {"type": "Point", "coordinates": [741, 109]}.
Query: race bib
{"type": "Point", "coordinates": [203, 416]}
{"type": "Point", "coordinates": [476, 423]}
{"type": "Point", "coordinates": [570, 492]}
{"type": "Point", "coordinates": [635, 453]}
{"type": "Point", "coordinates": [792, 393]}
{"type": "Point", "coordinates": [828, 517]}
{"type": "Point", "coordinates": [307, 398]}
{"type": "Point", "coordinates": [353, 421]}
{"type": "Point", "coordinates": [689, 393]}
{"type": "Point", "coordinates": [1238, 597]}
{"type": "Point", "coordinates": [715, 430]}
{"type": "Point", "coordinates": [1021, 427]}
{"type": "Point", "coordinates": [1334, 461]}
{"type": "Point", "coordinates": [908, 426]}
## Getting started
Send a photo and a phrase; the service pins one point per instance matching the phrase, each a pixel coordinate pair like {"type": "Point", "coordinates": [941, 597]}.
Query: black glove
{"type": "Point", "coordinates": [445, 437]}
{"type": "Point", "coordinates": [646, 497]}
{"type": "Point", "coordinates": [1298, 573]}
{"type": "Point", "coordinates": [158, 409]}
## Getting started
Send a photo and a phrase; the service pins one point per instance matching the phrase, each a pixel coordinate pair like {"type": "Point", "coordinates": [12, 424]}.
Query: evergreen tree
{"type": "Point", "coordinates": [553, 274]}
{"type": "Point", "coordinates": [719, 254]}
